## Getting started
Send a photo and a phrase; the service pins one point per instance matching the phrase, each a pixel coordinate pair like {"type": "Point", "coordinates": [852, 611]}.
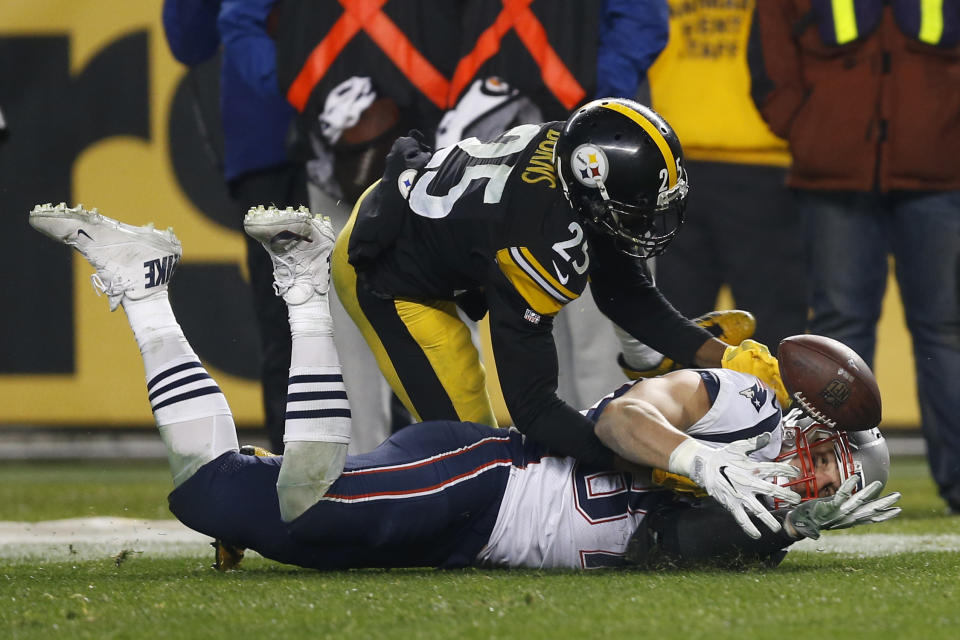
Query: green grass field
{"type": "Point", "coordinates": [907, 595]}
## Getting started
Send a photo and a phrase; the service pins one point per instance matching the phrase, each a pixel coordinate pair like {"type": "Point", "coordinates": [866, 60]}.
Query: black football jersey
{"type": "Point", "coordinates": [491, 217]}
{"type": "Point", "coordinates": [482, 211]}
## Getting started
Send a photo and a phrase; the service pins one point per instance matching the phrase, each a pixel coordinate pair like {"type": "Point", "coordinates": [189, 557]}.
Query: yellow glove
{"type": "Point", "coordinates": [732, 326]}
{"type": "Point", "coordinates": [755, 358]}
{"type": "Point", "coordinates": [677, 483]}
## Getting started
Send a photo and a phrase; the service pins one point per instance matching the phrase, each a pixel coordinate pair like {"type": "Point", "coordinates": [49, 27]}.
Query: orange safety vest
{"type": "Point", "coordinates": [369, 17]}
{"type": "Point", "coordinates": [529, 29]}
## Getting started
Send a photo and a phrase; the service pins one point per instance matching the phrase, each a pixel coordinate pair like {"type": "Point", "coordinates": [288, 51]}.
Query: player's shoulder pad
{"type": "Point", "coordinates": [741, 407]}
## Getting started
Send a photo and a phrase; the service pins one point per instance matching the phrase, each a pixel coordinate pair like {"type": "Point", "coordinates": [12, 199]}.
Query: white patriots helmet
{"type": "Point", "coordinates": [861, 453]}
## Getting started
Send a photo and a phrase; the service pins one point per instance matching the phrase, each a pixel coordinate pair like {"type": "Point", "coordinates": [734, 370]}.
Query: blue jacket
{"type": "Point", "coordinates": [256, 118]}
{"type": "Point", "coordinates": [632, 34]}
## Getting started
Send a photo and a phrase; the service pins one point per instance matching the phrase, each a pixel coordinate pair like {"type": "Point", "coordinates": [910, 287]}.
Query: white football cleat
{"type": "Point", "coordinates": [299, 243]}
{"type": "Point", "coordinates": [131, 262]}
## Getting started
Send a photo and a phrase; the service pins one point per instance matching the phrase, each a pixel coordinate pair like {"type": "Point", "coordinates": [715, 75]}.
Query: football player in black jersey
{"type": "Point", "coordinates": [514, 227]}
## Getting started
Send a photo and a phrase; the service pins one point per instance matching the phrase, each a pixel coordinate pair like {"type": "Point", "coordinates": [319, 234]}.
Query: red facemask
{"type": "Point", "coordinates": [800, 437]}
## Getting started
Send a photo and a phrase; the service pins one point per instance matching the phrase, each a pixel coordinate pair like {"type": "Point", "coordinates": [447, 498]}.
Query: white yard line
{"type": "Point", "coordinates": [82, 539]}
{"type": "Point", "coordinates": [93, 538]}
{"type": "Point", "coordinates": [880, 544]}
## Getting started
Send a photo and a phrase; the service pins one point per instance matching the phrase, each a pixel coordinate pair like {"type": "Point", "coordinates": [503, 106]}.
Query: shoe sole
{"type": "Point", "coordinates": [262, 223]}
{"type": "Point", "coordinates": [163, 241]}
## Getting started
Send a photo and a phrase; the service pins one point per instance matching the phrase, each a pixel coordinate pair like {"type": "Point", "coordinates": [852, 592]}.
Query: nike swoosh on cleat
{"type": "Point", "coordinates": [289, 235]}
{"type": "Point", "coordinates": [561, 277]}
{"type": "Point", "coordinates": [81, 231]}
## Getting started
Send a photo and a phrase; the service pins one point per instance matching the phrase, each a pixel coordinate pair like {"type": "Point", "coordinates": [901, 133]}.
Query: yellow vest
{"type": "Point", "coordinates": [701, 85]}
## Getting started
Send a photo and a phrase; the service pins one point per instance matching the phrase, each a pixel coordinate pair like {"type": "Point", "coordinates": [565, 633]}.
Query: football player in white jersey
{"type": "Point", "coordinates": [449, 493]}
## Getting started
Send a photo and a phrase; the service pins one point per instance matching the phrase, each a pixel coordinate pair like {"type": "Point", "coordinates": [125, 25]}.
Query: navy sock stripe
{"type": "Point", "coordinates": [319, 377]}
{"type": "Point", "coordinates": [169, 372]}
{"type": "Point", "coordinates": [316, 395]}
{"type": "Point", "coordinates": [196, 393]}
{"type": "Point", "coordinates": [179, 383]}
{"type": "Point", "coordinates": [318, 413]}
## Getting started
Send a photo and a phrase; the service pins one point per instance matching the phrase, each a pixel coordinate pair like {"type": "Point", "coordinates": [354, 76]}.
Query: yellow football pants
{"type": "Point", "coordinates": [422, 346]}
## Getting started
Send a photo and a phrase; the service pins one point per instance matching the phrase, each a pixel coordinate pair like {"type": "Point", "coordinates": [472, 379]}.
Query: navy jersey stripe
{"type": "Point", "coordinates": [712, 383]}
{"type": "Point", "coordinates": [169, 372]}
{"type": "Point", "coordinates": [768, 424]}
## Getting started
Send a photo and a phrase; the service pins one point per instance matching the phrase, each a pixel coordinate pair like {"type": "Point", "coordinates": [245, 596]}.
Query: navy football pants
{"type": "Point", "coordinates": [428, 496]}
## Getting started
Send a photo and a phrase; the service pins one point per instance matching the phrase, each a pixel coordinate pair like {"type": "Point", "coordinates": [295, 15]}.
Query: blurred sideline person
{"type": "Point", "coordinates": [513, 227]}
{"type": "Point", "coordinates": [868, 99]}
{"type": "Point", "coordinates": [338, 66]}
{"type": "Point", "coordinates": [740, 227]}
{"type": "Point", "coordinates": [255, 121]}
{"type": "Point", "coordinates": [451, 494]}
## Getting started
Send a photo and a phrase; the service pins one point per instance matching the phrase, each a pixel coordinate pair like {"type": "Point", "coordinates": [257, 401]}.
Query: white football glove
{"type": "Point", "coordinates": [842, 510]}
{"type": "Point", "coordinates": [732, 479]}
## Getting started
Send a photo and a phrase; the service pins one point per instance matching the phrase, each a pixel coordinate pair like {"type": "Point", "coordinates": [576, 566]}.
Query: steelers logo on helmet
{"type": "Point", "coordinates": [590, 165]}
{"type": "Point", "coordinates": [618, 163]}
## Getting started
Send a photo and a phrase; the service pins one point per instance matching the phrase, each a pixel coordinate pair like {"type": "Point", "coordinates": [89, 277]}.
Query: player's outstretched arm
{"type": "Point", "coordinates": [646, 427]}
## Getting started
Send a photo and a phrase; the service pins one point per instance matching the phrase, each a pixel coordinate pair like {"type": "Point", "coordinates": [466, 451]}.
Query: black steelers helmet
{"type": "Point", "coordinates": [622, 169]}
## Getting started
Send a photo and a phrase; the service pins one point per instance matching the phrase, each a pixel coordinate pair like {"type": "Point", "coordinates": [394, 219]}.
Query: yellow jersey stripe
{"type": "Point", "coordinates": [931, 21]}
{"type": "Point", "coordinates": [535, 273]}
{"type": "Point", "coordinates": [535, 295]}
{"type": "Point", "coordinates": [654, 134]}
{"type": "Point", "coordinates": [546, 275]}
{"type": "Point", "coordinates": [844, 21]}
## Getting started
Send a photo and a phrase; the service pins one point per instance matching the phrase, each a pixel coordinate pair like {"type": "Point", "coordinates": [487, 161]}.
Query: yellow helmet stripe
{"type": "Point", "coordinates": [654, 134]}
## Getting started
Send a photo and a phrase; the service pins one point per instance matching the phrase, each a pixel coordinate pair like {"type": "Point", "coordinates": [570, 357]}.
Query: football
{"type": "Point", "coordinates": [829, 381]}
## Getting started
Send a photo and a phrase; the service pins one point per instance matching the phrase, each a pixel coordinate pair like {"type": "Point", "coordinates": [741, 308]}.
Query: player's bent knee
{"type": "Point", "coordinates": [308, 470]}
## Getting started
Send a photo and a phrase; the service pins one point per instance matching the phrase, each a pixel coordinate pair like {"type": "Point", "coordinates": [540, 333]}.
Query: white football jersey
{"type": "Point", "coordinates": [555, 513]}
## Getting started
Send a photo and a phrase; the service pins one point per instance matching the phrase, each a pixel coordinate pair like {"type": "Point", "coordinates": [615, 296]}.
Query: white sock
{"type": "Point", "coordinates": [193, 443]}
{"type": "Point", "coordinates": [317, 405]}
{"type": "Point", "coordinates": [190, 411]}
{"type": "Point", "coordinates": [317, 428]}
{"type": "Point", "coordinates": [157, 331]}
